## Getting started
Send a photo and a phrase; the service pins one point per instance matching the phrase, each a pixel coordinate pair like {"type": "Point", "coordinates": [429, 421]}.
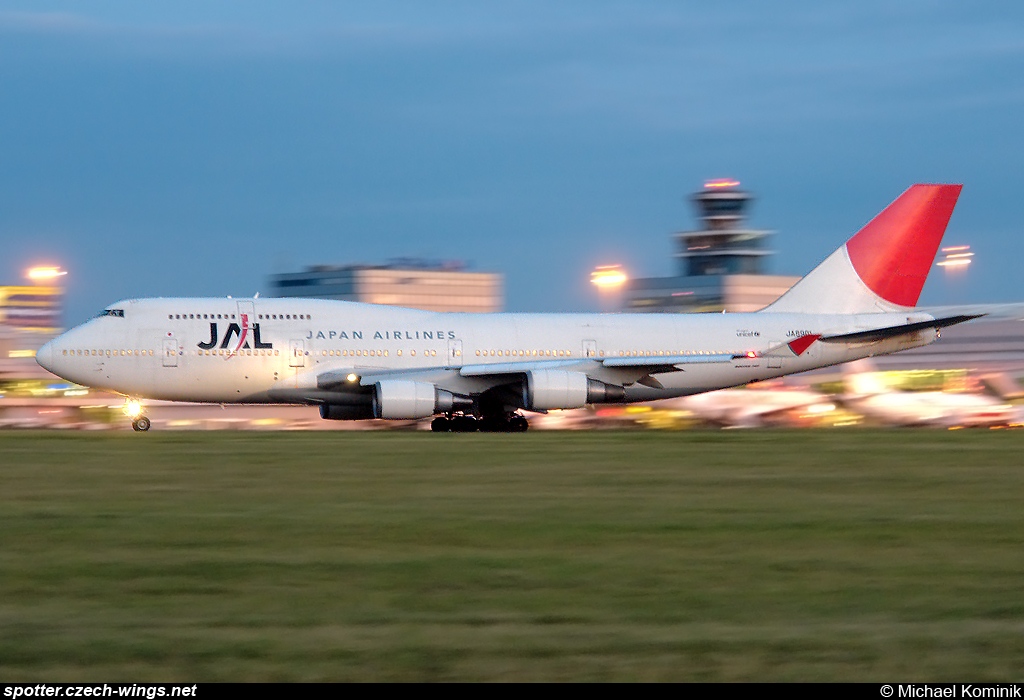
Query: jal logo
{"type": "Point", "coordinates": [234, 330]}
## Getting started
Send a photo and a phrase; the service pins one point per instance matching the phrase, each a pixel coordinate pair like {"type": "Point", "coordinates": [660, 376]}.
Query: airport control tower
{"type": "Point", "coordinates": [721, 267]}
{"type": "Point", "coordinates": [724, 246]}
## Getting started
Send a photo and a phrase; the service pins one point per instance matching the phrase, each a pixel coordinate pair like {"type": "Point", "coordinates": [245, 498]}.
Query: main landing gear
{"type": "Point", "coordinates": [508, 423]}
{"type": "Point", "coordinates": [141, 424]}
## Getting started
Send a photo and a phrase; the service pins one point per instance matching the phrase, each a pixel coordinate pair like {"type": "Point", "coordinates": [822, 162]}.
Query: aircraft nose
{"type": "Point", "coordinates": [44, 357]}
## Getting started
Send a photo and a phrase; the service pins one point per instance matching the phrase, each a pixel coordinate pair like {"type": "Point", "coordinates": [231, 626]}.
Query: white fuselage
{"type": "Point", "coordinates": [225, 350]}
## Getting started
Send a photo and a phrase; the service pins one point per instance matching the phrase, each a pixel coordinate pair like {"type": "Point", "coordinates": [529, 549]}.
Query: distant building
{"type": "Point", "coordinates": [721, 267]}
{"type": "Point", "coordinates": [29, 316]}
{"type": "Point", "coordinates": [410, 282]}
{"type": "Point", "coordinates": [31, 308]}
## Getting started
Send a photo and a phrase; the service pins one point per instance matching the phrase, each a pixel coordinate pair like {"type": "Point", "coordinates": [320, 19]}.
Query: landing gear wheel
{"type": "Point", "coordinates": [464, 424]}
{"type": "Point", "coordinates": [491, 424]}
{"type": "Point", "coordinates": [441, 425]}
{"type": "Point", "coordinates": [518, 424]}
{"type": "Point", "coordinates": [141, 424]}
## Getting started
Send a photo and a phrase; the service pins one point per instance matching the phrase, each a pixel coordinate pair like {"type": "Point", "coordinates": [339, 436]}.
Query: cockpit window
{"type": "Point", "coordinates": [111, 312]}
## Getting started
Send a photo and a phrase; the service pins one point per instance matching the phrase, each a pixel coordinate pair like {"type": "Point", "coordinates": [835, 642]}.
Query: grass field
{"type": "Point", "coordinates": [769, 555]}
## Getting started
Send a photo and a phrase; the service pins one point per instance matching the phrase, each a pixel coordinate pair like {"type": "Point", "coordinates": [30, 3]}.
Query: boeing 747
{"type": "Point", "coordinates": [480, 371]}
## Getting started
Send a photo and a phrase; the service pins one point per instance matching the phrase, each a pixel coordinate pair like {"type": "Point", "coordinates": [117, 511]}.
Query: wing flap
{"type": "Point", "coordinates": [676, 361]}
{"type": "Point", "coordinates": [485, 370]}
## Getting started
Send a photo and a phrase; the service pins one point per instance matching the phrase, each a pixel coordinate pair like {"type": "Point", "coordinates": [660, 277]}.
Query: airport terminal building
{"type": "Point", "coordinates": [413, 283]}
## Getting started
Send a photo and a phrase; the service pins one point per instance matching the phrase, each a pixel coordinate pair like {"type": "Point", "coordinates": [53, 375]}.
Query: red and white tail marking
{"type": "Point", "coordinates": [884, 265]}
{"type": "Point", "coordinates": [895, 251]}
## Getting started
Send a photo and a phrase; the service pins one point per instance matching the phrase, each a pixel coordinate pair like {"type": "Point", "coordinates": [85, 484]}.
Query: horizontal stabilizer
{"type": "Point", "coordinates": [894, 331]}
{"type": "Point", "coordinates": [992, 312]}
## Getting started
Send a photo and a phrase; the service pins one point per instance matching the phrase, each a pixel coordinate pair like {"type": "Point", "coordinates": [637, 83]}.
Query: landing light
{"type": "Point", "coordinates": [352, 377]}
{"type": "Point", "coordinates": [132, 408]}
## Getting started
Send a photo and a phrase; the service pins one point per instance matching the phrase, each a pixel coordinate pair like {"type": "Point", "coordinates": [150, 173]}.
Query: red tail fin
{"type": "Point", "coordinates": [884, 265]}
{"type": "Point", "coordinates": [893, 253]}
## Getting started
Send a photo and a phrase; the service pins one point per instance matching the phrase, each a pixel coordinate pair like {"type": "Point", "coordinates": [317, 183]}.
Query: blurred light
{"type": "Point", "coordinates": [132, 408]}
{"type": "Point", "coordinates": [608, 277]}
{"type": "Point", "coordinates": [956, 256]}
{"type": "Point", "coordinates": [37, 274]}
{"type": "Point", "coordinates": [721, 182]}
{"type": "Point", "coordinates": [821, 408]}
{"type": "Point", "coordinates": [21, 353]}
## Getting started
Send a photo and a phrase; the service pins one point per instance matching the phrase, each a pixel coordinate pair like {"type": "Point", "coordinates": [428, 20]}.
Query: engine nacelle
{"type": "Point", "coordinates": [551, 388]}
{"type": "Point", "coordinates": [405, 400]}
{"type": "Point", "coordinates": [329, 411]}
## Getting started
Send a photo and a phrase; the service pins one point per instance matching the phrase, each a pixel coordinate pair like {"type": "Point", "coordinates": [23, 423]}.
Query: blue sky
{"type": "Point", "coordinates": [193, 148]}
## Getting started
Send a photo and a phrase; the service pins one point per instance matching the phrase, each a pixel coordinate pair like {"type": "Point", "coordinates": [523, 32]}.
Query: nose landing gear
{"type": "Point", "coordinates": [133, 409]}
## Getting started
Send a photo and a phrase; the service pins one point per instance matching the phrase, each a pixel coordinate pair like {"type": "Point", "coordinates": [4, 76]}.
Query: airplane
{"type": "Point", "coordinates": [480, 371]}
{"type": "Point", "coordinates": [868, 394]}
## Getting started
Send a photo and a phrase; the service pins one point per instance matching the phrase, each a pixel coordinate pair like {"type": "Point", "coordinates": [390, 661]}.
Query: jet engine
{"type": "Point", "coordinates": [402, 399]}
{"type": "Point", "coordinates": [550, 388]}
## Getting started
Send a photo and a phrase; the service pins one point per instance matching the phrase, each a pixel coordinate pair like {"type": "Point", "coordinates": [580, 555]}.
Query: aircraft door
{"type": "Point", "coordinates": [589, 348]}
{"type": "Point", "coordinates": [455, 353]}
{"type": "Point", "coordinates": [297, 353]}
{"type": "Point", "coordinates": [170, 352]}
{"type": "Point", "coordinates": [775, 357]}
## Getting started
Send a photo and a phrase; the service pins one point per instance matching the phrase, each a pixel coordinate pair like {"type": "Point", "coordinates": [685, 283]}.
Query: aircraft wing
{"type": "Point", "coordinates": [332, 386]}
{"type": "Point", "coordinates": [649, 363]}
{"type": "Point", "coordinates": [614, 370]}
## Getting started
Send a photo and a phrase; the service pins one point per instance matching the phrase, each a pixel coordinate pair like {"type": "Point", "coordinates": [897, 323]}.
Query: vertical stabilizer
{"type": "Point", "coordinates": [883, 266]}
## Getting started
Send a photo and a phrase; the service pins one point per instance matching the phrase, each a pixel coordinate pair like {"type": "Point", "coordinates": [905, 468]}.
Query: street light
{"type": "Point", "coordinates": [609, 280]}
{"type": "Point", "coordinates": [608, 277]}
{"type": "Point", "coordinates": [45, 273]}
{"type": "Point", "coordinates": [956, 256]}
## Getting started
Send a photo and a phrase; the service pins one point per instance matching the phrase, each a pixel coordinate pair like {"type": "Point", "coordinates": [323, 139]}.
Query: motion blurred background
{"type": "Point", "coordinates": [508, 156]}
